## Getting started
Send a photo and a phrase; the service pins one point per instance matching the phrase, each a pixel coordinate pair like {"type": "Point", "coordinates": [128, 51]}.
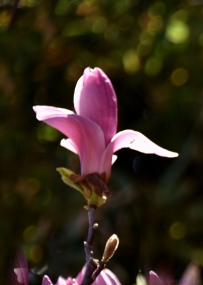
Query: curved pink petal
{"type": "Point", "coordinates": [70, 281]}
{"type": "Point", "coordinates": [80, 275]}
{"type": "Point", "coordinates": [191, 275]}
{"type": "Point", "coordinates": [114, 158]}
{"type": "Point", "coordinates": [87, 137]}
{"type": "Point", "coordinates": [69, 144]}
{"type": "Point", "coordinates": [133, 140]}
{"type": "Point", "coordinates": [61, 281]}
{"type": "Point", "coordinates": [106, 277]}
{"type": "Point", "coordinates": [22, 275]}
{"type": "Point", "coordinates": [21, 268]}
{"type": "Point", "coordinates": [95, 99]}
{"type": "Point", "coordinates": [46, 280]}
{"type": "Point", "coordinates": [154, 279]}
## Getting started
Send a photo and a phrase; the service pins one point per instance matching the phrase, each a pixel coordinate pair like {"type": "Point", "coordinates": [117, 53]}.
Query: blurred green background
{"type": "Point", "coordinates": [153, 53]}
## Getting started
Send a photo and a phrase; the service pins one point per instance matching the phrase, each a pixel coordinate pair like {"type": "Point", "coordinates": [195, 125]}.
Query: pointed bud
{"type": "Point", "coordinates": [110, 248]}
{"type": "Point", "coordinates": [141, 280]}
{"type": "Point", "coordinates": [96, 226]}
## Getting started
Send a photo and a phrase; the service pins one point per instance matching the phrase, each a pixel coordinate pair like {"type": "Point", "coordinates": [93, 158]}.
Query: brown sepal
{"type": "Point", "coordinates": [93, 181]}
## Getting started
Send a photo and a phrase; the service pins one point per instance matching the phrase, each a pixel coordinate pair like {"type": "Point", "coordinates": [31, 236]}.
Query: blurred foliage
{"type": "Point", "coordinates": [153, 53]}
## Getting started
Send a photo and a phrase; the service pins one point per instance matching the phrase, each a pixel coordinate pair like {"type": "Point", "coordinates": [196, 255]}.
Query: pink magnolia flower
{"type": "Point", "coordinates": [91, 131]}
{"type": "Point", "coordinates": [106, 277]}
{"type": "Point", "coordinates": [20, 269]}
{"type": "Point", "coordinates": [191, 276]}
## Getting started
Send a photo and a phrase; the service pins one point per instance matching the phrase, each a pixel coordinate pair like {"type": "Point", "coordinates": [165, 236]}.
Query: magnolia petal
{"type": "Point", "coordinates": [61, 281]}
{"type": "Point", "coordinates": [154, 279]}
{"type": "Point", "coordinates": [21, 267]}
{"type": "Point", "coordinates": [80, 275]}
{"type": "Point", "coordinates": [70, 281]}
{"type": "Point", "coordinates": [139, 142]}
{"type": "Point", "coordinates": [69, 144]}
{"type": "Point", "coordinates": [191, 275]}
{"type": "Point", "coordinates": [48, 111]}
{"type": "Point", "coordinates": [46, 280]}
{"type": "Point", "coordinates": [86, 136]}
{"type": "Point", "coordinates": [135, 141]}
{"type": "Point", "coordinates": [95, 99]}
{"type": "Point", "coordinates": [106, 277]}
{"type": "Point", "coordinates": [22, 275]}
{"type": "Point", "coordinates": [114, 158]}
{"type": "Point", "coordinates": [141, 280]}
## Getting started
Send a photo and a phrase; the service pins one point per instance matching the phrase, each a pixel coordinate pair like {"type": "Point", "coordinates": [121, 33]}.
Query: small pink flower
{"type": "Point", "coordinates": [92, 129]}
{"type": "Point", "coordinates": [191, 276]}
{"type": "Point", "coordinates": [106, 277]}
{"type": "Point", "coordinates": [20, 269]}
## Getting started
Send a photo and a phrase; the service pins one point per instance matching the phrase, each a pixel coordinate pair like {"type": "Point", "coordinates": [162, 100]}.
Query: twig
{"type": "Point", "coordinates": [91, 263]}
{"type": "Point", "coordinates": [90, 236]}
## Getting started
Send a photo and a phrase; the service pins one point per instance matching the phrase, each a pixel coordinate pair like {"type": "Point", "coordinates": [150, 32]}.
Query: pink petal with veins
{"type": "Point", "coordinates": [86, 136]}
{"type": "Point", "coordinates": [191, 275]}
{"type": "Point", "coordinates": [21, 267]}
{"type": "Point", "coordinates": [69, 144]}
{"type": "Point", "coordinates": [154, 279]}
{"type": "Point", "coordinates": [106, 277]}
{"type": "Point", "coordinates": [46, 280]}
{"type": "Point", "coordinates": [95, 99]}
{"type": "Point", "coordinates": [61, 281]}
{"type": "Point", "coordinates": [133, 140]}
{"type": "Point", "coordinates": [80, 275]}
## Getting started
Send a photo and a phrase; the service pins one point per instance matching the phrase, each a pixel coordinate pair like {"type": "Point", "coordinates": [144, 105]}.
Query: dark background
{"type": "Point", "coordinates": [153, 53]}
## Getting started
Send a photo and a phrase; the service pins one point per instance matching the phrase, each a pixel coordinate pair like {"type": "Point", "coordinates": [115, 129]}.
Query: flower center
{"type": "Point", "coordinates": [92, 182]}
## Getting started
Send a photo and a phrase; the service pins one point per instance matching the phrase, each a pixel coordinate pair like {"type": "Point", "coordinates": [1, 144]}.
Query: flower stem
{"type": "Point", "coordinates": [91, 263]}
{"type": "Point", "coordinates": [90, 236]}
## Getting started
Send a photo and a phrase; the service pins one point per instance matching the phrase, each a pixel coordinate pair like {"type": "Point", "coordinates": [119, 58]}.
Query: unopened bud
{"type": "Point", "coordinates": [110, 248]}
{"type": "Point", "coordinates": [96, 226]}
{"type": "Point", "coordinates": [141, 280]}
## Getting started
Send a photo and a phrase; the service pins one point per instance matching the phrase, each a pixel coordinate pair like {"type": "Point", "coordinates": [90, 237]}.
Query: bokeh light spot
{"type": "Point", "coordinates": [153, 66]}
{"type": "Point", "coordinates": [29, 187]}
{"type": "Point", "coordinates": [36, 253]}
{"type": "Point", "coordinates": [177, 230]}
{"type": "Point", "coordinates": [47, 133]}
{"type": "Point", "coordinates": [31, 234]}
{"type": "Point", "coordinates": [179, 76]}
{"type": "Point", "coordinates": [131, 61]}
{"type": "Point", "coordinates": [4, 19]}
{"type": "Point", "coordinates": [86, 7]}
{"type": "Point", "coordinates": [155, 24]}
{"type": "Point", "coordinates": [99, 25]}
{"type": "Point", "coordinates": [177, 32]}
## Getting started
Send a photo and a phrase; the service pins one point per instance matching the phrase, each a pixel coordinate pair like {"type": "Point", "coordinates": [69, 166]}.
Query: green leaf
{"type": "Point", "coordinates": [65, 176]}
{"type": "Point", "coordinates": [93, 199]}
